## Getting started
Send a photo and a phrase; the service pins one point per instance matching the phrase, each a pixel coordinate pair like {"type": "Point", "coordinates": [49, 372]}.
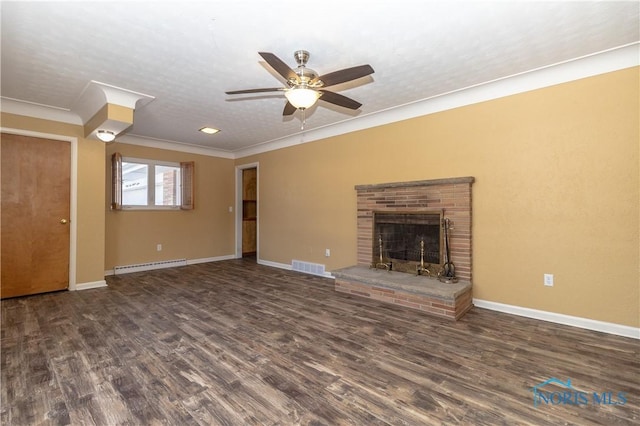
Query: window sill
{"type": "Point", "coordinates": [150, 208]}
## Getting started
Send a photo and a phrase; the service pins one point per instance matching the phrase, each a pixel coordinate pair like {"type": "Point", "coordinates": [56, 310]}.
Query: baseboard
{"type": "Point", "coordinates": [289, 267]}
{"type": "Point", "coordinates": [210, 259]}
{"type": "Point", "coordinates": [589, 324]}
{"type": "Point", "coordinates": [274, 264]}
{"type": "Point", "coordinates": [90, 285]}
{"type": "Point", "coordinates": [188, 261]}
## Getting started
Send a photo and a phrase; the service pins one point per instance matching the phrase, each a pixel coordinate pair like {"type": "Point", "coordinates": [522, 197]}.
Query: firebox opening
{"type": "Point", "coordinates": [407, 239]}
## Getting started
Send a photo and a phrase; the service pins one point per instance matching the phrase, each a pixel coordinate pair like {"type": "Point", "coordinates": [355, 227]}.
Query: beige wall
{"type": "Point", "coordinates": [205, 232]}
{"type": "Point", "coordinates": [557, 191]}
{"type": "Point", "coordinates": [90, 194]}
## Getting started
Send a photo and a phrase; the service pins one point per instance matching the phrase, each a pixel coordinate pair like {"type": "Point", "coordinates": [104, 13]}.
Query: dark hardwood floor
{"type": "Point", "coordinates": [236, 343]}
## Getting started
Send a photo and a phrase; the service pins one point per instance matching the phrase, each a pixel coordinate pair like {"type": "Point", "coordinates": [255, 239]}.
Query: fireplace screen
{"type": "Point", "coordinates": [406, 237]}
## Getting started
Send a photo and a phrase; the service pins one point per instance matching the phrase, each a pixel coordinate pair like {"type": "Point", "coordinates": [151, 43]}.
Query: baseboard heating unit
{"type": "Point", "coordinates": [149, 266]}
{"type": "Point", "coordinates": [308, 267]}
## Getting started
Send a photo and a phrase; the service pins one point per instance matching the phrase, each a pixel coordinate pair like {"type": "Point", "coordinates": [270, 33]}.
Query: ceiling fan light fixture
{"type": "Point", "coordinates": [106, 135]}
{"type": "Point", "coordinates": [302, 97]}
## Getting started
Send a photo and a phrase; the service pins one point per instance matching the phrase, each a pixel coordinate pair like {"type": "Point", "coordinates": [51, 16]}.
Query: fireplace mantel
{"type": "Point", "coordinates": [446, 181]}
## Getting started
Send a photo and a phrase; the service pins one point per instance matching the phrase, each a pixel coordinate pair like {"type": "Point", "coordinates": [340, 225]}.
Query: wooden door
{"type": "Point", "coordinates": [35, 189]}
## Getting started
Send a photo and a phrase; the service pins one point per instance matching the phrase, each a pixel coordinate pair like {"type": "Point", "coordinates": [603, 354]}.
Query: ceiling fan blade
{"type": "Point", "coordinates": [277, 64]}
{"type": "Point", "coordinates": [239, 92]}
{"type": "Point", "coordinates": [288, 109]}
{"type": "Point", "coordinates": [344, 75]}
{"type": "Point", "coordinates": [340, 100]}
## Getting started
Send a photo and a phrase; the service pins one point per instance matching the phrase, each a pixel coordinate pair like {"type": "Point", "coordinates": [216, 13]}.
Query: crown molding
{"type": "Point", "coordinates": [44, 112]}
{"type": "Point", "coordinates": [96, 95]}
{"type": "Point", "coordinates": [174, 146]}
{"type": "Point", "coordinates": [611, 60]}
{"type": "Point", "coordinates": [616, 59]}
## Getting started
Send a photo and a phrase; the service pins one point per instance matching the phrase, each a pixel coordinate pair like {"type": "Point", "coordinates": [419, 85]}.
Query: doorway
{"type": "Point", "coordinates": [35, 215]}
{"type": "Point", "coordinates": [249, 212]}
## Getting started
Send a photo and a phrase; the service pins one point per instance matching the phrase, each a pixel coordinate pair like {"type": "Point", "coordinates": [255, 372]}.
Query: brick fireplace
{"type": "Point", "coordinates": [451, 198]}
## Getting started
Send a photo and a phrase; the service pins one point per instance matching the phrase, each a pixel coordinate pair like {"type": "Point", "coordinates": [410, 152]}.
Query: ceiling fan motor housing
{"type": "Point", "coordinates": [305, 75]}
{"type": "Point", "coordinates": [301, 57]}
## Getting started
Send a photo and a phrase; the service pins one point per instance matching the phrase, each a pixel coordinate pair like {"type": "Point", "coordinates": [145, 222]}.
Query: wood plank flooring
{"type": "Point", "coordinates": [236, 343]}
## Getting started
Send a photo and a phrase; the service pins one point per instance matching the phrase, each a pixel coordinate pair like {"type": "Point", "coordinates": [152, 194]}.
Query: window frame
{"type": "Point", "coordinates": [185, 181]}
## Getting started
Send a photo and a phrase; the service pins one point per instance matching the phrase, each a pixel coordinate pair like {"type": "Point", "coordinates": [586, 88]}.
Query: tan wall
{"type": "Point", "coordinates": [90, 196]}
{"type": "Point", "coordinates": [205, 232]}
{"type": "Point", "coordinates": [557, 191]}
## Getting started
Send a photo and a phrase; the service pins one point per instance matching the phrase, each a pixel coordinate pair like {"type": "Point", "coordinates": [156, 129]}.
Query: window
{"type": "Point", "coordinates": [150, 184]}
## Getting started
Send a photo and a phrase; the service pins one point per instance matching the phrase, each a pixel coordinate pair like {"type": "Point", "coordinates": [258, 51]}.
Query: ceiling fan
{"type": "Point", "coordinates": [305, 87]}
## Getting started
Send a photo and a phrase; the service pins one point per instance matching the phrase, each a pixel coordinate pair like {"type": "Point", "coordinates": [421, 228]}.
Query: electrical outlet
{"type": "Point", "coordinates": [159, 247]}
{"type": "Point", "coordinates": [548, 280]}
{"type": "Point", "coordinates": [327, 252]}
{"type": "Point", "coordinates": [230, 209]}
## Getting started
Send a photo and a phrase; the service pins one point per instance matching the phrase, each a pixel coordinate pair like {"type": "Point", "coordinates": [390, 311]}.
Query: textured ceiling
{"type": "Point", "coordinates": [187, 54]}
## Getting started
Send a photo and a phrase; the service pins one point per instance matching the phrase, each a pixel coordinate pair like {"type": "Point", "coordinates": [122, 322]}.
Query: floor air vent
{"type": "Point", "coordinates": [308, 267]}
{"type": "Point", "coordinates": [149, 266]}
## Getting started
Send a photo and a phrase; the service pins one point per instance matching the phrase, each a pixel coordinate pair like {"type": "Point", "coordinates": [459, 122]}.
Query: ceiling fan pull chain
{"type": "Point", "coordinates": [304, 120]}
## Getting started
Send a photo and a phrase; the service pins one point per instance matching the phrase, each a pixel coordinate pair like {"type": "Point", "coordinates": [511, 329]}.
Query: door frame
{"type": "Point", "coordinates": [73, 192]}
{"type": "Point", "coordinates": [239, 169]}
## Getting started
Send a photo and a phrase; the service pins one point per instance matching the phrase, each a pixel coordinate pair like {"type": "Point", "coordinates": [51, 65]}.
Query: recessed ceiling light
{"type": "Point", "coordinates": [209, 130]}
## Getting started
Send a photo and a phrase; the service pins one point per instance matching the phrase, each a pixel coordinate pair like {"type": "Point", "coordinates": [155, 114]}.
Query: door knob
{"type": "Point", "coordinates": [63, 221]}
